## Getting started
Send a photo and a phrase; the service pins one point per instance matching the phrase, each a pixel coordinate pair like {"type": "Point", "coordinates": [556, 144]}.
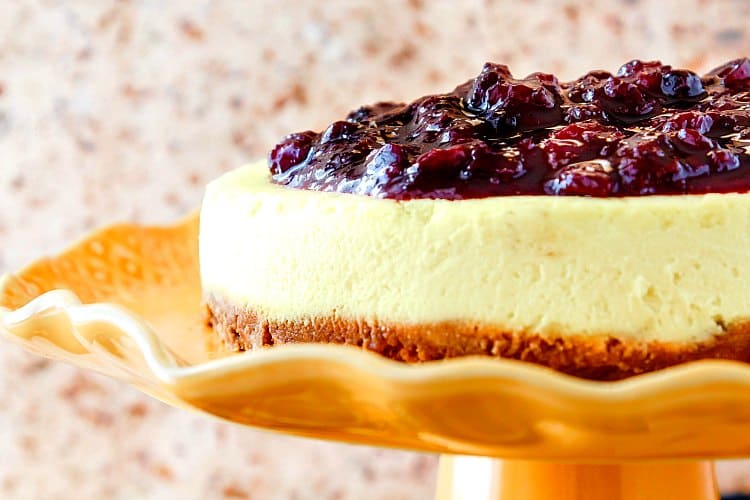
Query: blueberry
{"type": "Point", "coordinates": [681, 84]}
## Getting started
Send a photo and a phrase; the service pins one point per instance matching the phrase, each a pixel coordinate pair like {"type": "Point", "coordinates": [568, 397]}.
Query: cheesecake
{"type": "Point", "coordinates": [599, 227]}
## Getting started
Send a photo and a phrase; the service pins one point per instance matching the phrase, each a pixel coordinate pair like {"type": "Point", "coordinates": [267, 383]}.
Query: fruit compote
{"type": "Point", "coordinates": [647, 129]}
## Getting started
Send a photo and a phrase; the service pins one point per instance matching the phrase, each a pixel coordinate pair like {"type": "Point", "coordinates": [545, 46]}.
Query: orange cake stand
{"type": "Point", "coordinates": [126, 302]}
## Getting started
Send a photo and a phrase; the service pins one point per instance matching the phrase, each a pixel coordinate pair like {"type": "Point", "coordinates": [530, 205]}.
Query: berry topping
{"type": "Point", "coordinates": [647, 129]}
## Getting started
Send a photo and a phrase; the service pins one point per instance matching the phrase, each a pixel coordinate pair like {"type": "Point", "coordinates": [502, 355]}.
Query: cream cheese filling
{"type": "Point", "coordinates": [667, 268]}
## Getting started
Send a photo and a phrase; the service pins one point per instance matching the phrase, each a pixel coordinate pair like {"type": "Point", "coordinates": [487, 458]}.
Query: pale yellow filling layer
{"type": "Point", "coordinates": [670, 268]}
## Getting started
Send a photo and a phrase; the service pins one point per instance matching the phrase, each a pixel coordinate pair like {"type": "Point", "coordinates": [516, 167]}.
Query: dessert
{"type": "Point", "coordinates": [600, 227]}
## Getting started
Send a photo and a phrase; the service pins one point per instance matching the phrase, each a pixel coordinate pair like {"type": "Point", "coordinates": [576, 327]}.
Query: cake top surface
{"type": "Point", "coordinates": [647, 129]}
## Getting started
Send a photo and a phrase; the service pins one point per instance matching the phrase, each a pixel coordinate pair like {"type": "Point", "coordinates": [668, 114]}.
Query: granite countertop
{"type": "Point", "coordinates": [124, 110]}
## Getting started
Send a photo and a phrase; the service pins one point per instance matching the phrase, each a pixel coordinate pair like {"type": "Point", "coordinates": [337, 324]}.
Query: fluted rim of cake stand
{"type": "Point", "coordinates": [165, 365]}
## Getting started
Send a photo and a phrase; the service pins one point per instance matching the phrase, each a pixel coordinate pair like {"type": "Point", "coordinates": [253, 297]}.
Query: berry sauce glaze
{"type": "Point", "coordinates": [647, 129]}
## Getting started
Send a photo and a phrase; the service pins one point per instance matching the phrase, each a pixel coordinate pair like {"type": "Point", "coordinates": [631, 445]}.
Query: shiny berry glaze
{"type": "Point", "coordinates": [647, 129]}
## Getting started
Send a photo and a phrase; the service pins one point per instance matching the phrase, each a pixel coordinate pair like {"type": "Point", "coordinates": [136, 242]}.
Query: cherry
{"type": "Point", "coordinates": [436, 172]}
{"type": "Point", "coordinates": [582, 90]}
{"type": "Point", "coordinates": [484, 90]}
{"type": "Point", "coordinates": [384, 169]}
{"type": "Point", "coordinates": [495, 167]}
{"type": "Point", "coordinates": [625, 101]}
{"type": "Point", "coordinates": [728, 122]}
{"type": "Point", "coordinates": [581, 141]}
{"type": "Point", "coordinates": [588, 178]}
{"type": "Point", "coordinates": [441, 120]}
{"type": "Point", "coordinates": [690, 141]}
{"type": "Point", "coordinates": [646, 161]}
{"type": "Point", "coordinates": [646, 75]}
{"type": "Point", "coordinates": [722, 160]}
{"type": "Point", "coordinates": [443, 161]}
{"type": "Point", "coordinates": [636, 68]}
{"type": "Point", "coordinates": [389, 161]}
{"type": "Point", "coordinates": [702, 122]}
{"type": "Point", "coordinates": [512, 105]}
{"type": "Point", "coordinates": [338, 131]}
{"type": "Point", "coordinates": [584, 111]}
{"type": "Point", "coordinates": [734, 74]}
{"type": "Point", "coordinates": [291, 151]}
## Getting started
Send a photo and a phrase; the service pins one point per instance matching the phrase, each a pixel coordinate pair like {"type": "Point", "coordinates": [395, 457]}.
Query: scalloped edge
{"type": "Point", "coordinates": [165, 367]}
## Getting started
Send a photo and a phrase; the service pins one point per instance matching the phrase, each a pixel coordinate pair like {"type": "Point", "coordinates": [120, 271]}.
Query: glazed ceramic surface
{"type": "Point", "coordinates": [126, 301]}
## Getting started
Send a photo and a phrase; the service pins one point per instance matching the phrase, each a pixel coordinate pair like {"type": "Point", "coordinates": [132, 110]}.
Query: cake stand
{"type": "Point", "coordinates": [126, 302]}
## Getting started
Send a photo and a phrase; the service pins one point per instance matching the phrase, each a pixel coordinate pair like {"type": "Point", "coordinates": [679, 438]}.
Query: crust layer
{"type": "Point", "coordinates": [597, 358]}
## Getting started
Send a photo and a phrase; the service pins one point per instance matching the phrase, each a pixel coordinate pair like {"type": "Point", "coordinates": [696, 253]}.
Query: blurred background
{"type": "Point", "coordinates": [123, 110]}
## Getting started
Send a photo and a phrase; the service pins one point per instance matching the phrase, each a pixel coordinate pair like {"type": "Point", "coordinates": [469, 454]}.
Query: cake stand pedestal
{"type": "Point", "coordinates": [477, 478]}
{"type": "Point", "coordinates": [126, 302]}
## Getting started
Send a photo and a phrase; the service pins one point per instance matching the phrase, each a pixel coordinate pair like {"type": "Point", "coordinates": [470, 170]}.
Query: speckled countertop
{"type": "Point", "coordinates": [124, 110]}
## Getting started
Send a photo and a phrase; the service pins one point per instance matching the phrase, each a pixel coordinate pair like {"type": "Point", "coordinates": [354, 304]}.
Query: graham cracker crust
{"type": "Point", "coordinates": [600, 358]}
